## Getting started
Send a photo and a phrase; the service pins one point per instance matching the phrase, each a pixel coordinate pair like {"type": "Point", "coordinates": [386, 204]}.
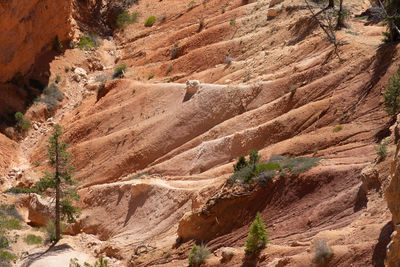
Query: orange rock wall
{"type": "Point", "coordinates": [28, 28]}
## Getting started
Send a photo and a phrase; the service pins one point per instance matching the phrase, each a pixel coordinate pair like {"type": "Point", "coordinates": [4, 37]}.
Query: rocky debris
{"type": "Point", "coordinates": [79, 74]}
{"type": "Point", "coordinates": [275, 2]}
{"type": "Point", "coordinates": [227, 254]}
{"type": "Point", "coordinates": [273, 12]}
{"type": "Point", "coordinates": [192, 86]}
{"type": "Point", "coordinates": [370, 178]}
{"type": "Point", "coordinates": [15, 174]}
{"type": "Point", "coordinates": [50, 121]}
{"type": "Point", "coordinates": [95, 64]}
{"type": "Point", "coordinates": [111, 251]}
{"type": "Point", "coordinates": [94, 86]}
{"type": "Point", "coordinates": [279, 262]}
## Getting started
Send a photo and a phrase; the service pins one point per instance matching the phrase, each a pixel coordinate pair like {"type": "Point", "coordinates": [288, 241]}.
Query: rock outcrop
{"type": "Point", "coordinates": [392, 198]}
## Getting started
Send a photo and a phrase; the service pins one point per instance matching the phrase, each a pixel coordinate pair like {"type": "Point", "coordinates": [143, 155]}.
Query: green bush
{"type": "Point", "coordinates": [3, 242]}
{"type": "Point", "coordinates": [50, 230]}
{"type": "Point", "coordinates": [322, 251]}
{"type": "Point", "coordinates": [11, 211]}
{"type": "Point", "coordinates": [150, 21]}
{"type": "Point", "coordinates": [381, 150]}
{"type": "Point", "coordinates": [99, 263]}
{"type": "Point", "coordinates": [6, 257]}
{"type": "Point", "coordinates": [33, 239]}
{"type": "Point", "coordinates": [257, 237]}
{"type": "Point", "coordinates": [125, 18]}
{"type": "Point", "coordinates": [23, 124]}
{"type": "Point", "coordinates": [296, 165]}
{"type": "Point", "coordinates": [52, 95]}
{"type": "Point", "coordinates": [119, 71]}
{"type": "Point", "coordinates": [392, 94]}
{"type": "Point", "coordinates": [337, 129]}
{"type": "Point", "coordinates": [252, 170]}
{"type": "Point", "coordinates": [88, 41]}
{"type": "Point", "coordinates": [198, 255]}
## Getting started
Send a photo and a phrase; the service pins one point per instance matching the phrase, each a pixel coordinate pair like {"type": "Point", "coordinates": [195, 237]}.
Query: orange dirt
{"type": "Point", "coordinates": [152, 160]}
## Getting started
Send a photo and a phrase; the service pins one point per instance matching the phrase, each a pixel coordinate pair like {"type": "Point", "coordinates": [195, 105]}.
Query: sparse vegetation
{"type": "Point", "coordinates": [6, 257]}
{"type": "Point", "coordinates": [151, 76]}
{"type": "Point", "coordinates": [228, 60]}
{"type": "Point", "coordinates": [191, 4]}
{"type": "Point", "coordinates": [337, 128]}
{"type": "Point", "coordinates": [58, 79]}
{"type": "Point", "coordinates": [392, 95]}
{"type": "Point", "coordinates": [257, 237]}
{"type": "Point", "coordinates": [126, 18]}
{"type": "Point", "coordinates": [201, 25]}
{"type": "Point", "coordinates": [50, 230]}
{"type": "Point", "coordinates": [175, 51]}
{"type": "Point", "coordinates": [137, 176]}
{"type": "Point", "coordinates": [232, 22]}
{"type": "Point", "coordinates": [88, 41]}
{"type": "Point", "coordinates": [150, 21]}
{"type": "Point", "coordinates": [322, 251]}
{"type": "Point", "coordinates": [162, 19]}
{"type": "Point", "coordinates": [9, 220]}
{"type": "Point", "coordinates": [198, 255]}
{"type": "Point", "coordinates": [119, 71]}
{"type": "Point", "coordinates": [33, 239]}
{"type": "Point", "coordinates": [57, 46]}
{"type": "Point", "coordinates": [99, 263]}
{"type": "Point", "coordinates": [170, 67]}
{"type": "Point", "coordinates": [381, 150]}
{"type": "Point", "coordinates": [52, 95]}
{"type": "Point", "coordinates": [253, 171]}
{"type": "Point", "coordinates": [23, 124]}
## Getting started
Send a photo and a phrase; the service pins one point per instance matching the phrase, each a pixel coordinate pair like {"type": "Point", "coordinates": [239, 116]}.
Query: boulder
{"type": "Point", "coordinates": [40, 210]}
{"type": "Point", "coordinates": [192, 86]}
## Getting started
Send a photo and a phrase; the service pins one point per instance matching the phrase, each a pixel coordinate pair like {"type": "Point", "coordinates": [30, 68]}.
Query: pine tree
{"type": "Point", "coordinates": [392, 94]}
{"type": "Point", "coordinates": [393, 18]}
{"type": "Point", "coordinates": [240, 164]}
{"type": "Point", "coordinates": [60, 180]}
{"type": "Point", "coordinates": [257, 237]}
{"type": "Point", "coordinates": [254, 158]}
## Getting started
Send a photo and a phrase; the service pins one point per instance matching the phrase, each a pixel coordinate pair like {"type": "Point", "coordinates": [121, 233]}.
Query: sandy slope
{"type": "Point", "coordinates": [283, 94]}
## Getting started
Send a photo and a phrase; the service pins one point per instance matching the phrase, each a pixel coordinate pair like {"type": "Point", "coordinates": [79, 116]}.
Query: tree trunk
{"type": "Point", "coordinates": [340, 20]}
{"type": "Point", "coordinates": [331, 3]}
{"type": "Point", "coordinates": [57, 178]}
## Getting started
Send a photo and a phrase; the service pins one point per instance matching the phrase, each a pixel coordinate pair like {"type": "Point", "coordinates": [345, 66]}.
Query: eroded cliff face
{"type": "Point", "coordinates": [28, 29]}
{"type": "Point", "coordinates": [392, 197]}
